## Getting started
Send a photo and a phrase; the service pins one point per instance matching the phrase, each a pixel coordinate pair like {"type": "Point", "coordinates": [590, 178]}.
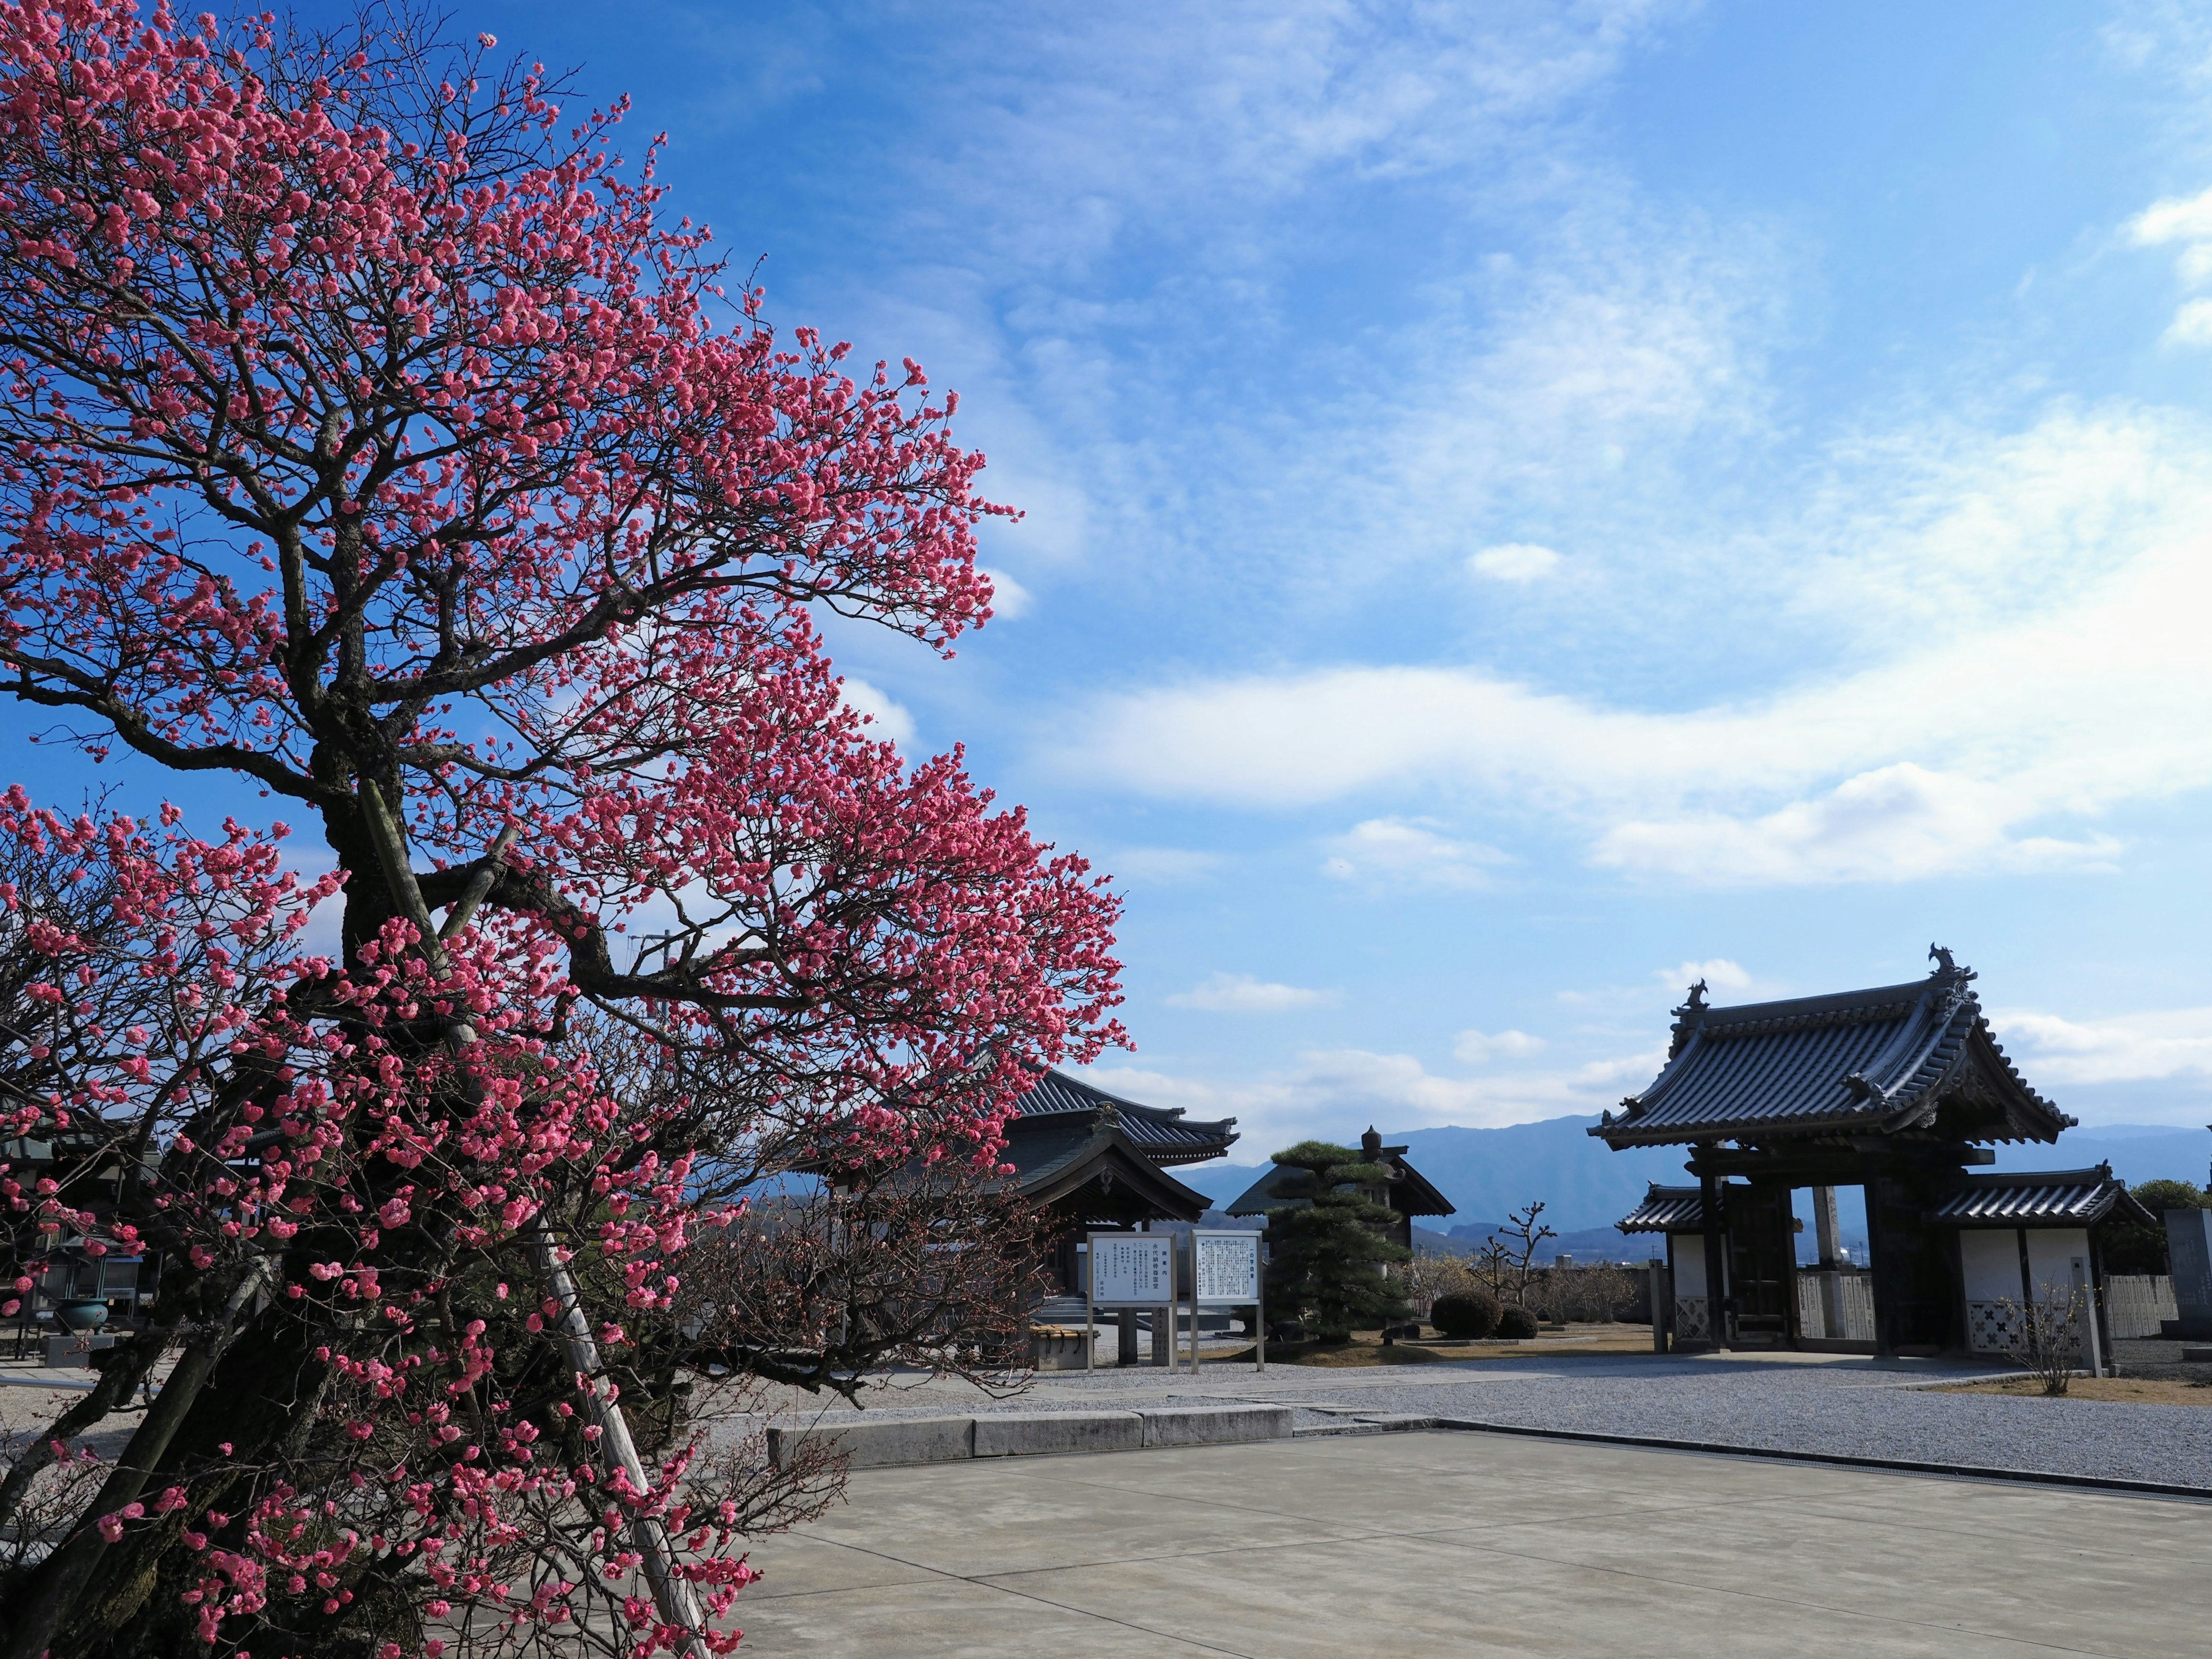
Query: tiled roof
{"type": "Point", "coordinates": [1666, 1210]}
{"type": "Point", "coordinates": [1281, 1187]}
{"type": "Point", "coordinates": [1163, 1132]}
{"type": "Point", "coordinates": [2046, 1198]}
{"type": "Point", "coordinates": [1878, 1060]}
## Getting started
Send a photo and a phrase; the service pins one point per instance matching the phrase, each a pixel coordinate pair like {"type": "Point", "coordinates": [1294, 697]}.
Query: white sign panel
{"type": "Point", "coordinates": [1130, 1269]}
{"type": "Point", "coordinates": [1228, 1268]}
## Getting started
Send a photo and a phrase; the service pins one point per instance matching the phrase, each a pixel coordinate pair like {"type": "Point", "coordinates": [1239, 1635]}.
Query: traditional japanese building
{"type": "Point", "coordinates": [1900, 1089]}
{"type": "Point", "coordinates": [1407, 1192]}
{"type": "Point", "coordinates": [1095, 1161]}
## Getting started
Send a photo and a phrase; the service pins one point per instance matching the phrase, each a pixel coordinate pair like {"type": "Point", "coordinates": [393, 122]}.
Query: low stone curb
{"type": "Point", "coordinates": [892, 1441]}
{"type": "Point", "coordinates": [1043, 1434]}
{"type": "Point", "coordinates": [1378, 1423]}
{"type": "Point", "coordinates": [1841, 1460]}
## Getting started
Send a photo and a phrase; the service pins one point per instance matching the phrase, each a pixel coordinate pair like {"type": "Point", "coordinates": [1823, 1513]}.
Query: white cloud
{"type": "Point", "coordinates": [2041, 665]}
{"type": "Point", "coordinates": [2192, 323]}
{"type": "Point", "coordinates": [1475, 1048]}
{"type": "Point", "coordinates": [890, 720]}
{"type": "Point", "coordinates": [2176, 219]}
{"type": "Point", "coordinates": [1009, 599]}
{"type": "Point", "coordinates": [1718, 973]}
{"type": "Point", "coordinates": [1894, 823]}
{"type": "Point", "coordinates": [2187, 220]}
{"type": "Point", "coordinates": [2125, 1049]}
{"type": "Point", "coordinates": [1410, 852]}
{"type": "Point", "coordinates": [1240, 993]}
{"type": "Point", "coordinates": [1082, 130]}
{"type": "Point", "coordinates": [1514, 562]}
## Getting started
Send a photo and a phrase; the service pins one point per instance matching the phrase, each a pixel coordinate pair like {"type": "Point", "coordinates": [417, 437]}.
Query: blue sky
{"type": "Point", "coordinates": [1530, 504]}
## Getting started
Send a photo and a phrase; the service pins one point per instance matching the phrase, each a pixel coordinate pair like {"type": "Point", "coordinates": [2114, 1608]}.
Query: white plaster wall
{"type": "Point", "coordinates": [2051, 1253]}
{"type": "Point", "coordinates": [1990, 1259]}
{"type": "Point", "coordinates": [1689, 1263]}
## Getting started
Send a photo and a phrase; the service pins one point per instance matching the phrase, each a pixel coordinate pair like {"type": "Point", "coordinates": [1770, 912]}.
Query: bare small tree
{"type": "Point", "coordinates": [1510, 1252]}
{"type": "Point", "coordinates": [2044, 1337]}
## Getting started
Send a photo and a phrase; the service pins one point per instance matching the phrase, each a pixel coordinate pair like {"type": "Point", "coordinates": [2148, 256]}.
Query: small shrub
{"type": "Point", "coordinates": [1467, 1315]}
{"type": "Point", "coordinates": [1517, 1323]}
{"type": "Point", "coordinates": [2045, 1336]}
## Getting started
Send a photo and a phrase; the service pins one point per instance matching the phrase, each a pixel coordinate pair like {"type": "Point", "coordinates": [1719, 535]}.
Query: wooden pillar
{"type": "Point", "coordinates": [1883, 1279]}
{"type": "Point", "coordinates": [2102, 1326]}
{"type": "Point", "coordinates": [1709, 1195]}
{"type": "Point", "coordinates": [1828, 1232]}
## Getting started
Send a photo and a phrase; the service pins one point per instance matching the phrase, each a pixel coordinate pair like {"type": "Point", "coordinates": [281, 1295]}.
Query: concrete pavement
{"type": "Point", "coordinates": [1463, 1544]}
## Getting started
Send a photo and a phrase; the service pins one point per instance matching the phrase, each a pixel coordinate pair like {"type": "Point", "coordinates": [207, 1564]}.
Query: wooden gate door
{"type": "Point", "coordinates": [1761, 1259]}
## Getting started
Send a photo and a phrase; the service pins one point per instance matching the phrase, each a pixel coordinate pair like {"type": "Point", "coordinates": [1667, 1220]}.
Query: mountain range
{"type": "Point", "coordinates": [1585, 1185]}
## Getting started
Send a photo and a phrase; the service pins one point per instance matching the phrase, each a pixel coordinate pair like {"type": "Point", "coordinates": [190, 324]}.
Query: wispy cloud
{"type": "Point", "coordinates": [1718, 973]}
{"type": "Point", "coordinates": [889, 719]}
{"type": "Point", "coordinates": [1514, 562]}
{"type": "Point", "coordinates": [1009, 599]}
{"type": "Point", "coordinates": [1410, 853]}
{"type": "Point", "coordinates": [1992, 735]}
{"type": "Point", "coordinates": [1323, 1091]}
{"type": "Point", "coordinates": [1477, 1047]}
{"type": "Point", "coordinates": [1242, 993]}
{"type": "Point", "coordinates": [2123, 1049]}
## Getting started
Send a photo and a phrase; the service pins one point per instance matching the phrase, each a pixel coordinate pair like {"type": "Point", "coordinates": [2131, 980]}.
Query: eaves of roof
{"type": "Point", "coordinates": [1107, 1147]}
{"type": "Point", "coordinates": [1666, 1210]}
{"type": "Point", "coordinates": [1164, 1134]}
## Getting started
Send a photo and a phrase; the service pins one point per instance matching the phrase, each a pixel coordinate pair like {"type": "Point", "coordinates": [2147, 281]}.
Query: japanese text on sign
{"type": "Point", "coordinates": [1228, 1268]}
{"type": "Point", "coordinates": [1131, 1269]}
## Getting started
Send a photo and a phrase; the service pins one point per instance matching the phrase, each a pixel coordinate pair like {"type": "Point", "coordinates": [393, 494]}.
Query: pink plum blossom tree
{"type": "Point", "coordinates": [370, 435]}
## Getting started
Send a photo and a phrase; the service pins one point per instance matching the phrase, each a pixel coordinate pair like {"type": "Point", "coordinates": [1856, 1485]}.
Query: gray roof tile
{"type": "Point", "coordinates": [1163, 1132]}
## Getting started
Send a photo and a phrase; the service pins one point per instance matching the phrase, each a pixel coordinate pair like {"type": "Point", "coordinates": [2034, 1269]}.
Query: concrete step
{"type": "Point", "coordinates": [874, 1442]}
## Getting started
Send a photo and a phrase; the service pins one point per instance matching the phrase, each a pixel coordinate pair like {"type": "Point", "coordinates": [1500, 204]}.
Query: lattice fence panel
{"type": "Point", "coordinates": [1692, 1323]}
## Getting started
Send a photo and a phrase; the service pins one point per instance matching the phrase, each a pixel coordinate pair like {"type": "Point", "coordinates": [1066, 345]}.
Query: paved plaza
{"type": "Point", "coordinates": [1467, 1544]}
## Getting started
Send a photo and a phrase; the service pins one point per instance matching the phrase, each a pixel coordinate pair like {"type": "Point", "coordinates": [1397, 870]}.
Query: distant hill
{"type": "Point", "coordinates": [1586, 1186]}
{"type": "Point", "coordinates": [1489, 1172]}
{"type": "Point", "coordinates": [2137, 1151]}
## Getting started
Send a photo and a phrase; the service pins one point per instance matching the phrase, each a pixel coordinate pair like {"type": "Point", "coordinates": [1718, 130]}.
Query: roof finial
{"type": "Point", "coordinates": [1941, 959]}
{"type": "Point", "coordinates": [1697, 1002]}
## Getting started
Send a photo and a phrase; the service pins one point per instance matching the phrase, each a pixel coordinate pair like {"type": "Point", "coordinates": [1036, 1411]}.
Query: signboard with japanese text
{"type": "Point", "coordinates": [1132, 1269]}
{"type": "Point", "coordinates": [1228, 1268]}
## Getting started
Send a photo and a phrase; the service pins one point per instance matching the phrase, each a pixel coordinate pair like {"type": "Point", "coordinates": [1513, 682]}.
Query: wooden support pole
{"type": "Point", "coordinates": [673, 1598]}
{"type": "Point", "coordinates": [1715, 1260]}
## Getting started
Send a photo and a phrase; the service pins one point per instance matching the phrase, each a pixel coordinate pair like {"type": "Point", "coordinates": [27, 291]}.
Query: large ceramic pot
{"type": "Point", "coordinates": [81, 1316]}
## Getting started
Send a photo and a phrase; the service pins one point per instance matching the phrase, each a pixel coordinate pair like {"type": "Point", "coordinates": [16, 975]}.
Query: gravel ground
{"type": "Point", "coordinates": [1853, 1407]}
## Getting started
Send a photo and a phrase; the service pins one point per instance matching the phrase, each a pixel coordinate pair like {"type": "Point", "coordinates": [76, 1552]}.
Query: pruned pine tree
{"type": "Point", "coordinates": [1329, 1249]}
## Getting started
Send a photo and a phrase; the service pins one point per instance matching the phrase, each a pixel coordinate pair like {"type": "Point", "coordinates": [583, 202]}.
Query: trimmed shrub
{"type": "Point", "coordinates": [1517, 1323]}
{"type": "Point", "coordinates": [1469, 1315]}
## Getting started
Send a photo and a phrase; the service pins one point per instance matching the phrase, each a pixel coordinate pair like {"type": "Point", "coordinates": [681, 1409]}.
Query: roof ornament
{"type": "Point", "coordinates": [1697, 1004]}
{"type": "Point", "coordinates": [1941, 959]}
{"type": "Point", "coordinates": [1858, 1088]}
